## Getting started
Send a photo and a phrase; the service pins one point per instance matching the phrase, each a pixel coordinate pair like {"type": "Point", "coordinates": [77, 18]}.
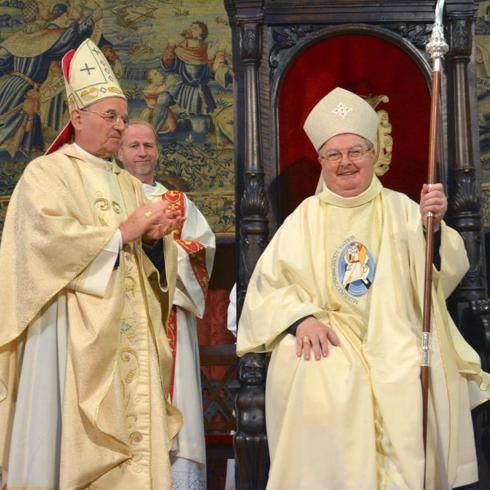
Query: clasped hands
{"type": "Point", "coordinates": [433, 199]}
{"type": "Point", "coordinates": [313, 335]}
{"type": "Point", "coordinates": [150, 222]}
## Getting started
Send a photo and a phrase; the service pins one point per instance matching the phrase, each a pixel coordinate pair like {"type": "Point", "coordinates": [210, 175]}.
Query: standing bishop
{"type": "Point", "coordinates": [84, 361]}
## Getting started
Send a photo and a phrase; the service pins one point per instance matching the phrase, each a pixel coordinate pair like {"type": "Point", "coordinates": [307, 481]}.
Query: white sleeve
{"type": "Point", "coordinates": [231, 316]}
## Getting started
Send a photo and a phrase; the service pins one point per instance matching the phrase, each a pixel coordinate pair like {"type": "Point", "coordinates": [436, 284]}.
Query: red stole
{"type": "Point", "coordinates": [196, 254]}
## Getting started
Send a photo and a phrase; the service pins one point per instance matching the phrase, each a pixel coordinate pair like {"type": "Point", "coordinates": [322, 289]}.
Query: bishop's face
{"type": "Point", "coordinates": [100, 126]}
{"type": "Point", "coordinates": [347, 164]}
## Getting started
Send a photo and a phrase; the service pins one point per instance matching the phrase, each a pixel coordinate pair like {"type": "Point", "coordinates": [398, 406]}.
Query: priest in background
{"type": "Point", "coordinates": [195, 243]}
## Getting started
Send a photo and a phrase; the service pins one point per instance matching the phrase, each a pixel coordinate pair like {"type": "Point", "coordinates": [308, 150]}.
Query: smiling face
{"type": "Point", "coordinates": [353, 172]}
{"type": "Point", "coordinates": [139, 152]}
{"type": "Point", "coordinates": [95, 134]}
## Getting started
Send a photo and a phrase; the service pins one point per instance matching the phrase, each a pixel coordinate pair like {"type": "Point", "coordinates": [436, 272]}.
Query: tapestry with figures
{"type": "Point", "coordinates": [173, 60]}
{"type": "Point", "coordinates": [482, 59]}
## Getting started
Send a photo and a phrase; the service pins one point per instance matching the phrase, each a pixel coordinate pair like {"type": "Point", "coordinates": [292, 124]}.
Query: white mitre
{"type": "Point", "coordinates": [339, 112]}
{"type": "Point", "coordinates": [88, 78]}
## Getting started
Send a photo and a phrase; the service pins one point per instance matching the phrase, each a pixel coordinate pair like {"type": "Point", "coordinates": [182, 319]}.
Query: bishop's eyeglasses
{"type": "Point", "coordinates": [354, 154]}
{"type": "Point", "coordinates": [110, 116]}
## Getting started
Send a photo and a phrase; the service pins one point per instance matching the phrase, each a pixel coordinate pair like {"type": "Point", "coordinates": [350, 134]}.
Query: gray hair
{"type": "Point", "coordinates": [369, 144]}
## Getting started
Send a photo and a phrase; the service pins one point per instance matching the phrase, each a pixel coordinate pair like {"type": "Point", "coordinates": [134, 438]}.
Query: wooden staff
{"type": "Point", "coordinates": [437, 47]}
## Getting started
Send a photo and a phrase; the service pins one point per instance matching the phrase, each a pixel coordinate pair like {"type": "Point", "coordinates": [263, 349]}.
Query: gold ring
{"type": "Point", "coordinates": [306, 339]}
{"type": "Point", "coordinates": [148, 214]}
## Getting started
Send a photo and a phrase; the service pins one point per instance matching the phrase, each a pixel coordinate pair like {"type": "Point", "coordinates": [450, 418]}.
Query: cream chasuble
{"type": "Point", "coordinates": [84, 363]}
{"type": "Point", "coordinates": [196, 246]}
{"type": "Point", "coordinates": [354, 420]}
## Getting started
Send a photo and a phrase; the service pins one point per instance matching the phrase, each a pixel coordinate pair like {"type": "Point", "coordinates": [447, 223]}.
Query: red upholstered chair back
{"type": "Point", "coordinates": [366, 65]}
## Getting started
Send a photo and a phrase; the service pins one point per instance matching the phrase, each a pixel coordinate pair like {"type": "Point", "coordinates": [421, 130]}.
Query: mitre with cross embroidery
{"type": "Point", "coordinates": [88, 78]}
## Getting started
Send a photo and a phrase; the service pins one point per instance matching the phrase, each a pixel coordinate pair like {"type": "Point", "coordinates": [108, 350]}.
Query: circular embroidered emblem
{"type": "Point", "coordinates": [356, 269]}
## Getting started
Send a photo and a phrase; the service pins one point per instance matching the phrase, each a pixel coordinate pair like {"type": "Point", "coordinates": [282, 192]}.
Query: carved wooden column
{"type": "Point", "coordinates": [471, 295]}
{"type": "Point", "coordinates": [465, 204]}
{"type": "Point", "coordinates": [465, 198]}
{"type": "Point", "coordinates": [250, 439]}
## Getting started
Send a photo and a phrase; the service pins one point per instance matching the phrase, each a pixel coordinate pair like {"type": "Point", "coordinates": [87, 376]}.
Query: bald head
{"type": "Point", "coordinates": [138, 151]}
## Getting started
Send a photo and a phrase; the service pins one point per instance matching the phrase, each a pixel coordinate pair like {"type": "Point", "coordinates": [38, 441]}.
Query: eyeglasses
{"type": "Point", "coordinates": [111, 117]}
{"type": "Point", "coordinates": [353, 154]}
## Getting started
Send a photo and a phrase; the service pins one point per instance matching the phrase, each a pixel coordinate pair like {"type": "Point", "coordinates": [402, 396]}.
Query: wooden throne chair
{"type": "Point", "coordinates": [287, 55]}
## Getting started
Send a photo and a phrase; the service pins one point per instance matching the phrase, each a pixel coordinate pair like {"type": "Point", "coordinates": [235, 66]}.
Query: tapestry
{"type": "Point", "coordinates": [173, 60]}
{"type": "Point", "coordinates": [482, 62]}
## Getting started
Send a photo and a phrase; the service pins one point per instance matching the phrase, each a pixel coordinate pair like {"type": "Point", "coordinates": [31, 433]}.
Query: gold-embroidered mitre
{"type": "Point", "coordinates": [88, 76]}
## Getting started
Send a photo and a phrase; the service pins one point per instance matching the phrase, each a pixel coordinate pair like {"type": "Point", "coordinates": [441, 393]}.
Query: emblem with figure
{"type": "Point", "coordinates": [356, 269]}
